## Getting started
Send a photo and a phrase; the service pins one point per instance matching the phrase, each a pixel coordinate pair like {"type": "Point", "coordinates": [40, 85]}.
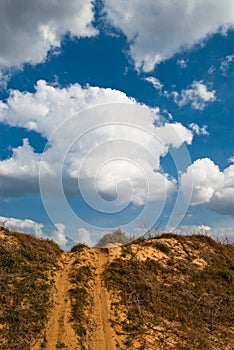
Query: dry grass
{"type": "Point", "coordinates": [80, 276]}
{"type": "Point", "coordinates": [26, 269]}
{"type": "Point", "coordinates": [174, 302]}
{"type": "Point", "coordinates": [168, 292]}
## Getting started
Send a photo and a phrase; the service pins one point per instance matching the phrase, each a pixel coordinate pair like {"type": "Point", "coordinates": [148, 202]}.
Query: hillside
{"type": "Point", "coordinates": [170, 292]}
{"type": "Point", "coordinates": [27, 268]}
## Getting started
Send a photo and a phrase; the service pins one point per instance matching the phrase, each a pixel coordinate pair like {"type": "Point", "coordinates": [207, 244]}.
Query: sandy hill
{"type": "Point", "coordinates": [170, 292]}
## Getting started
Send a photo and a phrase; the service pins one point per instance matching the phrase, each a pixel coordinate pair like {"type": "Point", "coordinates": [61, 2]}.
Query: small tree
{"type": "Point", "coordinates": [117, 237]}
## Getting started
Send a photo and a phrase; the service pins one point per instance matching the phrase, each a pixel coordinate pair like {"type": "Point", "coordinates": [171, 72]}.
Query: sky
{"type": "Point", "coordinates": [116, 113]}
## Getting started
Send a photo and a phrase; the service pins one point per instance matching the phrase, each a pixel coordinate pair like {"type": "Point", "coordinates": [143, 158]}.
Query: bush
{"type": "Point", "coordinates": [115, 237]}
{"type": "Point", "coordinates": [162, 247]}
{"type": "Point", "coordinates": [226, 274]}
{"type": "Point", "coordinates": [9, 262]}
{"type": "Point", "coordinates": [78, 247]}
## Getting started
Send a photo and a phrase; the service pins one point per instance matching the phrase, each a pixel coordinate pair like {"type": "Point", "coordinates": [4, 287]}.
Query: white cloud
{"type": "Point", "coordinates": [167, 114]}
{"type": "Point", "coordinates": [155, 82]}
{"type": "Point", "coordinates": [182, 63]}
{"type": "Point", "coordinates": [25, 226]}
{"type": "Point", "coordinates": [84, 236]}
{"type": "Point", "coordinates": [223, 198]}
{"type": "Point", "coordinates": [225, 63]}
{"type": "Point", "coordinates": [231, 159]}
{"type": "Point", "coordinates": [29, 29]}
{"type": "Point", "coordinates": [5, 75]}
{"type": "Point", "coordinates": [157, 30]}
{"type": "Point", "coordinates": [102, 156]}
{"type": "Point", "coordinates": [49, 106]}
{"type": "Point", "coordinates": [198, 95]}
{"type": "Point", "coordinates": [193, 229]}
{"type": "Point", "coordinates": [211, 70]}
{"type": "Point", "coordinates": [21, 171]}
{"type": "Point", "coordinates": [30, 226]}
{"type": "Point", "coordinates": [198, 129]}
{"type": "Point", "coordinates": [59, 236]}
{"type": "Point", "coordinates": [211, 186]}
{"type": "Point", "coordinates": [205, 176]}
{"type": "Point", "coordinates": [223, 234]}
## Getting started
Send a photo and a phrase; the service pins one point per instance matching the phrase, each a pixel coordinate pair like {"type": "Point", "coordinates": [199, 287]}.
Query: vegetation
{"type": "Point", "coordinates": [78, 247]}
{"type": "Point", "coordinates": [117, 237]}
{"type": "Point", "coordinates": [80, 301]}
{"type": "Point", "coordinates": [26, 265]}
{"type": "Point", "coordinates": [167, 292]}
{"type": "Point", "coordinates": [178, 304]}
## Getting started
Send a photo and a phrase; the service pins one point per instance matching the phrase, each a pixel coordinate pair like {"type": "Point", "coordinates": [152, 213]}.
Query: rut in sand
{"type": "Point", "coordinates": [59, 332]}
{"type": "Point", "coordinates": [102, 337]}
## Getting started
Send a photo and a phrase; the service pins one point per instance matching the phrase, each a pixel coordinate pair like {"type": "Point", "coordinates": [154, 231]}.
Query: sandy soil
{"type": "Point", "coordinates": [103, 336]}
{"type": "Point", "coordinates": [59, 332]}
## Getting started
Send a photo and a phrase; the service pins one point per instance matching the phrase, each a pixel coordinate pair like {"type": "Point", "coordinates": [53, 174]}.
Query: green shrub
{"type": "Point", "coordinates": [9, 261]}
{"type": "Point", "coordinates": [162, 247]}
{"type": "Point", "coordinates": [115, 237]}
{"type": "Point", "coordinates": [12, 316]}
{"type": "Point", "coordinates": [226, 274]}
{"type": "Point", "coordinates": [79, 247]}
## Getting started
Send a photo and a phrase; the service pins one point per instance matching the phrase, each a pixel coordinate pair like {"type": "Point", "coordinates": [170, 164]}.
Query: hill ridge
{"type": "Point", "coordinates": [168, 292]}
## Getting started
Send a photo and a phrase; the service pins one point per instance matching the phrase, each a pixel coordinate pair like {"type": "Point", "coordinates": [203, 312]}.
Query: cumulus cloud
{"type": "Point", "coordinates": [225, 63]}
{"type": "Point", "coordinates": [155, 82]}
{"type": "Point", "coordinates": [157, 30]}
{"type": "Point", "coordinates": [29, 29]}
{"type": "Point", "coordinates": [104, 155]}
{"type": "Point", "coordinates": [223, 234]}
{"type": "Point", "coordinates": [211, 70]}
{"type": "Point", "coordinates": [20, 171]}
{"type": "Point", "coordinates": [223, 198]}
{"type": "Point", "coordinates": [198, 130]}
{"type": "Point", "coordinates": [193, 229]}
{"type": "Point", "coordinates": [49, 106]}
{"type": "Point", "coordinates": [197, 95]}
{"type": "Point", "coordinates": [59, 236]}
{"type": "Point", "coordinates": [26, 225]}
{"type": "Point", "coordinates": [84, 236]}
{"type": "Point", "coordinates": [211, 186]}
{"type": "Point", "coordinates": [30, 226]}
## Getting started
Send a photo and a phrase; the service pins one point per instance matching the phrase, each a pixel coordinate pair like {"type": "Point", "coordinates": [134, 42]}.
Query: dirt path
{"type": "Point", "coordinates": [103, 336]}
{"type": "Point", "coordinates": [59, 332]}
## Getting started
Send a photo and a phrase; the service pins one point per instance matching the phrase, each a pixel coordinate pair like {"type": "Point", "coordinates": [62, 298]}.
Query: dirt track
{"type": "Point", "coordinates": [102, 338]}
{"type": "Point", "coordinates": [59, 332]}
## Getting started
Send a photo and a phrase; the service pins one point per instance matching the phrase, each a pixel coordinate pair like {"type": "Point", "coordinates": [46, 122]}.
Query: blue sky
{"type": "Point", "coordinates": [116, 114]}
